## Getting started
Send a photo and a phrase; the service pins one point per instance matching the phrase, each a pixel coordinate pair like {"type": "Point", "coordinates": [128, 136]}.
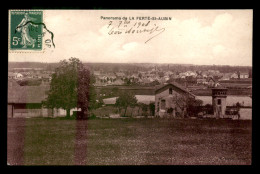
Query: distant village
{"type": "Point", "coordinates": [151, 77]}
{"type": "Point", "coordinates": [155, 77]}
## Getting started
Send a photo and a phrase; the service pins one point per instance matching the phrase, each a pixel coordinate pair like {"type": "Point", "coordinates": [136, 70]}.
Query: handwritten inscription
{"type": "Point", "coordinates": [134, 27]}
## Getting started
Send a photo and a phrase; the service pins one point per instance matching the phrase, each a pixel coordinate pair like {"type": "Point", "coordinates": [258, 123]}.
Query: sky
{"type": "Point", "coordinates": [200, 37]}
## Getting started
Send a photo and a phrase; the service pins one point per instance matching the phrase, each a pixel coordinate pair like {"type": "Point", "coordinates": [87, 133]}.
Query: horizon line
{"type": "Point", "coordinates": [134, 63]}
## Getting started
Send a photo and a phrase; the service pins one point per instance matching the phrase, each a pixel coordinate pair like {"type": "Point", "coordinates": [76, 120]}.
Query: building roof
{"type": "Point", "coordinates": [110, 101]}
{"type": "Point", "coordinates": [175, 85]}
{"type": "Point", "coordinates": [26, 94]}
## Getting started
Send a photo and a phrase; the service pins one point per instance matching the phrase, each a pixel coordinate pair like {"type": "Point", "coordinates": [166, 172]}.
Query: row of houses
{"type": "Point", "coordinates": [120, 78]}
{"type": "Point", "coordinates": [143, 78]}
{"type": "Point", "coordinates": [109, 78]}
{"type": "Point", "coordinates": [218, 75]}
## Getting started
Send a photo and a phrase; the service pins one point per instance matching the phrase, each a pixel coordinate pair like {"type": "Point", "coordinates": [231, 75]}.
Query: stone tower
{"type": "Point", "coordinates": [219, 102]}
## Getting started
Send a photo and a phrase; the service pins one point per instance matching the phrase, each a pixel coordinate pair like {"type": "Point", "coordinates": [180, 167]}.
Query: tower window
{"type": "Point", "coordinates": [219, 101]}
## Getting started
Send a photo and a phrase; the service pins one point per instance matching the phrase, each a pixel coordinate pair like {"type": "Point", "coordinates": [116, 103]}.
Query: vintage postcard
{"type": "Point", "coordinates": [129, 87]}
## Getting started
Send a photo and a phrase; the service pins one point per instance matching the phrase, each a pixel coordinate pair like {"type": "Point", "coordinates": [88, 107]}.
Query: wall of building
{"type": "Point", "coordinates": [223, 105]}
{"type": "Point", "coordinates": [19, 112]}
{"type": "Point", "coordinates": [163, 95]}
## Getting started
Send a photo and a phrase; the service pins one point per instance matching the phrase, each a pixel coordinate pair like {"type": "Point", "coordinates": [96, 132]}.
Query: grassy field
{"type": "Point", "coordinates": [126, 141]}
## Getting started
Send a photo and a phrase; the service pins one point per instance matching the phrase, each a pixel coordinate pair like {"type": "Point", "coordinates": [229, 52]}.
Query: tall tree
{"type": "Point", "coordinates": [126, 99]}
{"type": "Point", "coordinates": [71, 86]}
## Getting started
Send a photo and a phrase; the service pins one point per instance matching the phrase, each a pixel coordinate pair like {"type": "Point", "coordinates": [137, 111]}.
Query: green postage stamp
{"type": "Point", "coordinates": [25, 30]}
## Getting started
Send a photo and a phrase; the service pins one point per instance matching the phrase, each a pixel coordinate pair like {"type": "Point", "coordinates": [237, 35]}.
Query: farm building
{"type": "Point", "coordinates": [26, 101]}
{"type": "Point", "coordinates": [170, 100]}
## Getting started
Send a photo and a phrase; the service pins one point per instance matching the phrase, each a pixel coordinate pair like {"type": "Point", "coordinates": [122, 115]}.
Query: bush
{"type": "Point", "coordinates": [92, 116]}
{"type": "Point", "coordinates": [208, 108]}
{"type": "Point", "coordinates": [194, 107]}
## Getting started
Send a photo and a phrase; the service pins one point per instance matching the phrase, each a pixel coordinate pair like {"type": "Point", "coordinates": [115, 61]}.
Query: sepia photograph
{"type": "Point", "coordinates": [129, 87]}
